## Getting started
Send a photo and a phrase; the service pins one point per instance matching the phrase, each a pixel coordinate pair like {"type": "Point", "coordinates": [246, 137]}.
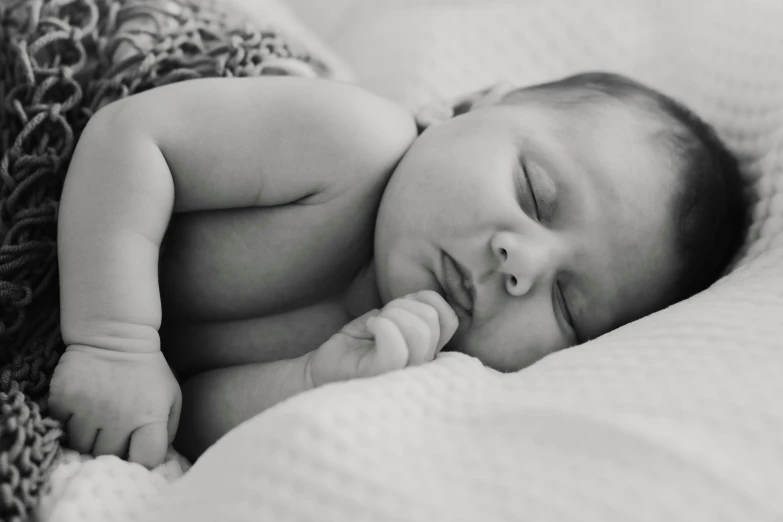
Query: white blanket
{"type": "Point", "coordinates": [675, 417]}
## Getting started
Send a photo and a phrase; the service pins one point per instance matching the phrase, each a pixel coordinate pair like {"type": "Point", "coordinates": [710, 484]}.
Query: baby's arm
{"type": "Point", "coordinates": [193, 146]}
{"type": "Point", "coordinates": [196, 145]}
{"type": "Point", "coordinates": [408, 331]}
{"type": "Point", "coordinates": [218, 400]}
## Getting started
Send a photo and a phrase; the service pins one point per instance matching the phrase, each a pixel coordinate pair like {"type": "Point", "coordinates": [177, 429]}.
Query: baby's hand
{"type": "Point", "coordinates": [408, 331]}
{"type": "Point", "coordinates": [116, 403]}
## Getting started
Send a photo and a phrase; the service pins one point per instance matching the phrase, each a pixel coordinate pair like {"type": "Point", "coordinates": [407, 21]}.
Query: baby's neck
{"type": "Point", "coordinates": [362, 294]}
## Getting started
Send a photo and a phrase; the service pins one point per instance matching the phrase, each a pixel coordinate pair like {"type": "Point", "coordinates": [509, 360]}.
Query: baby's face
{"type": "Point", "coordinates": [583, 245]}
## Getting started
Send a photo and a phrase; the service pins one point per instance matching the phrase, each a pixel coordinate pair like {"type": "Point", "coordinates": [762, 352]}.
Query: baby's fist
{"type": "Point", "coordinates": [116, 403]}
{"type": "Point", "coordinates": [408, 331]}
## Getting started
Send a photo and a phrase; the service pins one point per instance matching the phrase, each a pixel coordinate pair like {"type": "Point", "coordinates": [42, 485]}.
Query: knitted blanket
{"type": "Point", "coordinates": [60, 61]}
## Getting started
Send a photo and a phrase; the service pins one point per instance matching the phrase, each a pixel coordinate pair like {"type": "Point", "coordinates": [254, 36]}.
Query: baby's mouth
{"type": "Point", "coordinates": [458, 290]}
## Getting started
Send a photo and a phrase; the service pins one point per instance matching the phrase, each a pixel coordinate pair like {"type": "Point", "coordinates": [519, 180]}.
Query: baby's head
{"type": "Point", "coordinates": [570, 208]}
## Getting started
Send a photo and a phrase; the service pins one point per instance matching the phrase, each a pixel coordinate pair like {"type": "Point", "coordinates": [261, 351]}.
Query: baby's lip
{"type": "Point", "coordinates": [467, 283]}
{"type": "Point", "coordinates": [457, 284]}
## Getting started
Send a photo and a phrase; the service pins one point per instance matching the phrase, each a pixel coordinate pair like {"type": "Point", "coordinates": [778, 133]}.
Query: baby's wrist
{"type": "Point", "coordinates": [322, 367]}
{"type": "Point", "coordinates": [117, 336]}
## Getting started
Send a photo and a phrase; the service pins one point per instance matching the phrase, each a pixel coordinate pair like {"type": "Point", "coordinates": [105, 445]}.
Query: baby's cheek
{"type": "Point", "coordinates": [483, 345]}
{"type": "Point", "coordinates": [506, 350]}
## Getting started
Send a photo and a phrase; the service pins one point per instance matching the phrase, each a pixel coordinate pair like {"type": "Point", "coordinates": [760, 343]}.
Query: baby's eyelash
{"type": "Point", "coordinates": [564, 308]}
{"type": "Point", "coordinates": [564, 305]}
{"type": "Point", "coordinates": [531, 191]}
{"type": "Point", "coordinates": [543, 192]}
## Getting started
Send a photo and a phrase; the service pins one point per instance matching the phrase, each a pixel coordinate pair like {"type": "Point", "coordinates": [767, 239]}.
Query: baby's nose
{"type": "Point", "coordinates": [523, 262]}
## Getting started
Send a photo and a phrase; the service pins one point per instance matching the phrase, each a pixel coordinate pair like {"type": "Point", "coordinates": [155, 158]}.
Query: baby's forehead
{"type": "Point", "coordinates": [639, 133]}
{"type": "Point", "coordinates": [626, 146]}
{"type": "Point", "coordinates": [622, 151]}
{"type": "Point", "coordinates": [644, 112]}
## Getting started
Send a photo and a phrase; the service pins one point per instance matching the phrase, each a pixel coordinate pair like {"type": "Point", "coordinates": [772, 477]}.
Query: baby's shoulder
{"type": "Point", "coordinates": [364, 133]}
{"type": "Point", "coordinates": [376, 123]}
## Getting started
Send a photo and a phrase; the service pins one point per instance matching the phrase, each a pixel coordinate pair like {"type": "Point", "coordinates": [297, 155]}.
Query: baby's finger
{"type": "Point", "coordinates": [390, 351]}
{"type": "Point", "coordinates": [428, 314]}
{"type": "Point", "coordinates": [414, 330]}
{"type": "Point", "coordinates": [57, 410]}
{"type": "Point", "coordinates": [358, 327]}
{"type": "Point", "coordinates": [174, 414]}
{"type": "Point", "coordinates": [447, 317]}
{"type": "Point", "coordinates": [111, 442]}
{"type": "Point", "coordinates": [148, 445]}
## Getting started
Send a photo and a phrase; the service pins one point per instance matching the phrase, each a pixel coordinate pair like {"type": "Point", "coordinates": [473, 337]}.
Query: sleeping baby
{"type": "Point", "coordinates": [225, 244]}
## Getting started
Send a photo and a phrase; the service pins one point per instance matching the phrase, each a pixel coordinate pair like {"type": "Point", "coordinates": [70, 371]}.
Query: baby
{"type": "Point", "coordinates": [249, 239]}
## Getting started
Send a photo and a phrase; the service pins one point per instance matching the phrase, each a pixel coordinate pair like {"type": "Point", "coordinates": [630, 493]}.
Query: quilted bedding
{"type": "Point", "coordinates": [674, 417]}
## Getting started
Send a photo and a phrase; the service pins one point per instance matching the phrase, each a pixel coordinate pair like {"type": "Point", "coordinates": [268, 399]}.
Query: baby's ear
{"type": "Point", "coordinates": [440, 110]}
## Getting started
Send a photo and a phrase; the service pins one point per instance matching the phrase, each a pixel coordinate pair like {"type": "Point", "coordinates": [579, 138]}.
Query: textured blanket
{"type": "Point", "coordinates": [60, 61]}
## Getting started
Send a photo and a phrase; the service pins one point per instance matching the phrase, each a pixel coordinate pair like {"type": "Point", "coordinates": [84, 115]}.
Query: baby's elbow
{"type": "Point", "coordinates": [115, 117]}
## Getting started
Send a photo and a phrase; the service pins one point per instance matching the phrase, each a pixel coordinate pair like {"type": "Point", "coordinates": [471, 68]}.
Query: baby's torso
{"type": "Point", "coordinates": [255, 285]}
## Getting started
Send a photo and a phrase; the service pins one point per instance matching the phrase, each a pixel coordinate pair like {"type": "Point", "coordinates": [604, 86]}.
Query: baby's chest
{"type": "Point", "coordinates": [249, 263]}
{"type": "Point", "coordinates": [257, 285]}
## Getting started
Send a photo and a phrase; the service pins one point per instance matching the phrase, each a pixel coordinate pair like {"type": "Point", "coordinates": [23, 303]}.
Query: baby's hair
{"type": "Point", "coordinates": [710, 211]}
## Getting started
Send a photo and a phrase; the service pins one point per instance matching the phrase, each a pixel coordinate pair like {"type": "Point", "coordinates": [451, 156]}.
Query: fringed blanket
{"type": "Point", "coordinates": [60, 61]}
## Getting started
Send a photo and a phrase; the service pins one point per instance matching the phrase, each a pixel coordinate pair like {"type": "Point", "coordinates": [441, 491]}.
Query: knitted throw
{"type": "Point", "coordinates": [58, 65]}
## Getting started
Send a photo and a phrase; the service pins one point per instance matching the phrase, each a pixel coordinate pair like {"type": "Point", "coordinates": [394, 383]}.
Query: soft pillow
{"type": "Point", "coordinates": [676, 416]}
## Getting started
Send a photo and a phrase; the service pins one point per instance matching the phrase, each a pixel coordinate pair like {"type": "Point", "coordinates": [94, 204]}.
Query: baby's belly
{"type": "Point", "coordinates": [194, 347]}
